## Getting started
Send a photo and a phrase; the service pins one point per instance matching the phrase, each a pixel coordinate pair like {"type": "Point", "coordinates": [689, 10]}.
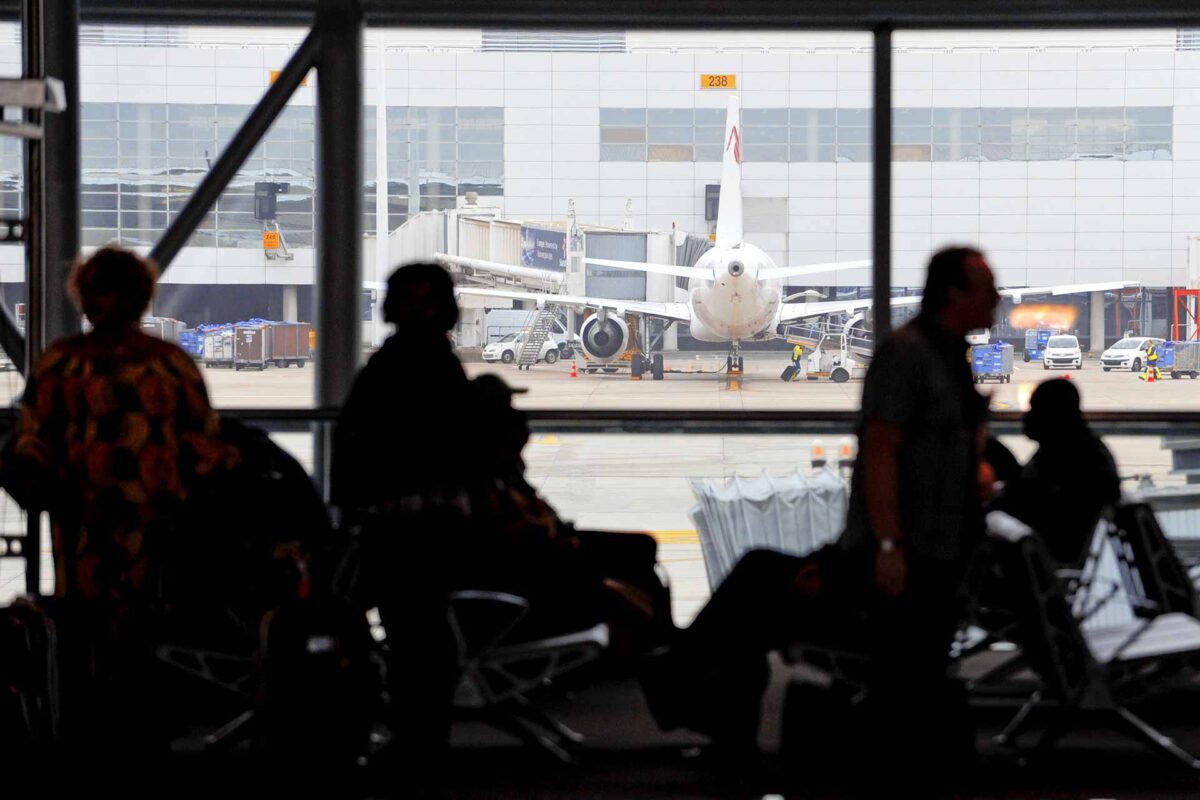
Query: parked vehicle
{"type": "Point", "coordinates": [1035, 342]}
{"type": "Point", "coordinates": [1129, 353]}
{"type": "Point", "coordinates": [509, 347]}
{"type": "Point", "coordinates": [1061, 351]}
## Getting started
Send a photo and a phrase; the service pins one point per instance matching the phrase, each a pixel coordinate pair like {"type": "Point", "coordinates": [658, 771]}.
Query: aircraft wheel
{"type": "Point", "coordinates": [1026, 356]}
{"type": "Point", "coordinates": [839, 375]}
{"type": "Point", "coordinates": [741, 365]}
{"type": "Point", "coordinates": [637, 365]}
{"type": "Point", "coordinates": [656, 366]}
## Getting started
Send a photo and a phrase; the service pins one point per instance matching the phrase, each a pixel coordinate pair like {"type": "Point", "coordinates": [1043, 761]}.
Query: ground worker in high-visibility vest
{"type": "Point", "coordinates": [1151, 363]}
{"type": "Point", "coordinates": [797, 354]}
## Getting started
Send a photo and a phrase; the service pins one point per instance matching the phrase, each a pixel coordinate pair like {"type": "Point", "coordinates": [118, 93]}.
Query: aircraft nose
{"type": "Point", "coordinates": [736, 268]}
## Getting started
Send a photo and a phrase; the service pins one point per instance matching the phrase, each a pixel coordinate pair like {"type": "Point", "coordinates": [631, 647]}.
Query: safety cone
{"type": "Point", "coordinates": [1150, 375]}
{"type": "Point", "coordinates": [574, 370]}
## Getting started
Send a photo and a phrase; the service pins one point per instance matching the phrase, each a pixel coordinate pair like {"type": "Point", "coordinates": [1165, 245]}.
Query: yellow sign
{"type": "Point", "coordinates": [275, 77]}
{"type": "Point", "coordinates": [718, 81]}
{"type": "Point", "coordinates": [270, 240]}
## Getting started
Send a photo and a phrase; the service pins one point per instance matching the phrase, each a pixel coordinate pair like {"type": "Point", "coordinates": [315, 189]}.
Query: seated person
{"type": "Point", "coordinates": [1070, 479]}
{"type": "Point", "coordinates": [573, 579]}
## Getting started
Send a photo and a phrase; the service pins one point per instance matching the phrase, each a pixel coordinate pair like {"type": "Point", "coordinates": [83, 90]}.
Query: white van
{"type": "Point", "coordinates": [1062, 350]}
{"type": "Point", "coordinates": [508, 349]}
{"type": "Point", "coordinates": [1129, 353]}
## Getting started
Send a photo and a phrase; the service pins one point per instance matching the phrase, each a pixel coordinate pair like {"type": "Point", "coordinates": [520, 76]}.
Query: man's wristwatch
{"type": "Point", "coordinates": [888, 545]}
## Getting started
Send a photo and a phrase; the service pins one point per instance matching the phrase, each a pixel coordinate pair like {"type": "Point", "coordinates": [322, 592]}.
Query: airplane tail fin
{"type": "Point", "coordinates": [729, 213]}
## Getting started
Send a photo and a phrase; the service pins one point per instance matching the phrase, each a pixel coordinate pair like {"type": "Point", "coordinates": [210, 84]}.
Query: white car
{"type": "Point", "coordinates": [509, 348]}
{"type": "Point", "coordinates": [1062, 350]}
{"type": "Point", "coordinates": [1129, 353]}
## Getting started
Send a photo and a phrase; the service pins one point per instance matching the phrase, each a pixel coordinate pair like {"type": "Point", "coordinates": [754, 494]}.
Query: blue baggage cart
{"type": "Point", "coordinates": [992, 362]}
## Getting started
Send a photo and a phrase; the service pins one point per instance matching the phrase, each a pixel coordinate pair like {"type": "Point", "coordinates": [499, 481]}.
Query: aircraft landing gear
{"type": "Point", "coordinates": [734, 364]}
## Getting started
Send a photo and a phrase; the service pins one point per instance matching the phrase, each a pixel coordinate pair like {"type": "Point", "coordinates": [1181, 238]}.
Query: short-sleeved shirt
{"type": "Point", "coordinates": [113, 429]}
{"type": "Point", "coordinates": [920, 382]}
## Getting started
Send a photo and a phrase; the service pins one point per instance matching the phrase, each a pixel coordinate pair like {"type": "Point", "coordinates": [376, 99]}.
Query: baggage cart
{"type": "Point", "coordinates": [163, 328]}
{"type": "Point", "coordinates": [1180, 359]}
{"type": "Point", "coordinates": [251, 346]}
{"type": "Point", "coordinates": [218, 347]}
{"type": "Point", "coordinates": [289, 343]}
{"type": "Point", "coordinates": [992, 362]}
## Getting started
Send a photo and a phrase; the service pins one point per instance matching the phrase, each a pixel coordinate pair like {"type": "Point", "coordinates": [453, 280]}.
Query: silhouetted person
{"type": "Point", "coordinates": [398, 446]}
{"type": "Point", "coordinates": [915, 512]}
{"type": "Point", "coordinates": [573, 579]}
{"type": "Point", "coordinates": [115, 429]}
{"type": "Point", "coordinates": [914, 517]}
{"type": "Point", "coordinates": [1070, 479]}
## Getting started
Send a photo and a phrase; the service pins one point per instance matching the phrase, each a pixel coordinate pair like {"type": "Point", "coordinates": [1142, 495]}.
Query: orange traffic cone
{"type": "Point", "coordinates": [1150, 374]}
{"type": "Point", "coordinates": [574, 370]}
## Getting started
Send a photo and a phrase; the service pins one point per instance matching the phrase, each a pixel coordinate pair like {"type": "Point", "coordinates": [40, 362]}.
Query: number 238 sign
{"type": "Point", "coordinates": [718, 81]}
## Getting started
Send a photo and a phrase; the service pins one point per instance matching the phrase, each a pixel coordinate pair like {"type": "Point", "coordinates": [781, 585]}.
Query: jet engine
{"type": "Point", "coordinates": [604, 340]}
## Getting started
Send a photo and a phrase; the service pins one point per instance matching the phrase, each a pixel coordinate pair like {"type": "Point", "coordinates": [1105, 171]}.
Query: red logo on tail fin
{"type": "Point", "coordinates": [735, 139]}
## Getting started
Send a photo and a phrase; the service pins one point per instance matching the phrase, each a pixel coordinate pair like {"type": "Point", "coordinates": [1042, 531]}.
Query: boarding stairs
{"type": "Point", "coordinates": [859, 342]}
{"type": "Point", "coordinates": [536, 334]}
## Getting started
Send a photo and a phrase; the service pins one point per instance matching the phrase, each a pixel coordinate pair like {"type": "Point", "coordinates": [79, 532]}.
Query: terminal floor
{"type": "Point", "coordinates": [627, 757]}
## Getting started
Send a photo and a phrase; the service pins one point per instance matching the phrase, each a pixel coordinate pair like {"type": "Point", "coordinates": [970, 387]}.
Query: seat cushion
{"type": "Point", "coordinates": [1169, 634]}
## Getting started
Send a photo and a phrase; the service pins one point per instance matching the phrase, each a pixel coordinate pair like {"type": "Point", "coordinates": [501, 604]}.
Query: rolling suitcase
{"type": "Point", "coordinates": [788, 373]}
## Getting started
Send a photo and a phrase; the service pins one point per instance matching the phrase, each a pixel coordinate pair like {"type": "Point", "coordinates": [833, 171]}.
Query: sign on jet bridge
{"type": "Point", "coordinates": [270, 240]}
{"type": "Point", "coordinates": [718, 81]}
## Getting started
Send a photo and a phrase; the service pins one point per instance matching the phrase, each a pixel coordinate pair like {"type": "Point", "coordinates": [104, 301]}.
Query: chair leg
{"type": "Point", "coordinates": [529, 734]}
{"type": "Point", "coordinates": [531, 713]}
{"type": "Point", "coordinates": [231, 732]}
{"type": "Point", "coordinates": [1008, 736]}
{"type": "Point", "coordinates": [1141, 730]}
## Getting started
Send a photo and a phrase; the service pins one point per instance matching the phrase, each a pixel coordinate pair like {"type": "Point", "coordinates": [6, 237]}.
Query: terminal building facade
{"type": "Point", "coordinates": [1069, 157]}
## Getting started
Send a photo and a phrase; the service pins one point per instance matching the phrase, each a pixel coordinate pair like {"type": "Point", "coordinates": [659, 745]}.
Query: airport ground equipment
{"type": "Point", "coordinates": [536, 335]}
{"type": "Point", "coordinates": [496, 677]}
{"type": "Point", "coordinates": [1180, 359]}
{"type": "Point", "coordinates": [289, 343]}
{"type": "Point", "coordinates": [218, 346]}
{"type": "Point", "coordinates": [251, 346]}
{"type": "Point", "coordinates": [1035, 343]}
{"type": "Point", "coordinates": [834, 358]}
{"type": "Point", "coordinates": [992, 362]}
{"type": "Point", "coordinates": [164, 328]}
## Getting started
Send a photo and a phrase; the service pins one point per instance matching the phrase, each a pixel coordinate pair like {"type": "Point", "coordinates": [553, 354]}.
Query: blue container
{"type": "Point", "coordinates": [992, 362]}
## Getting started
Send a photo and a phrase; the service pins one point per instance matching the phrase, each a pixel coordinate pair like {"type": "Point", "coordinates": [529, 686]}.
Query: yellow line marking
{"type": "Point", "coordinates": [675, 537]}
{"type": "Point", "coordinates": [545, 438]}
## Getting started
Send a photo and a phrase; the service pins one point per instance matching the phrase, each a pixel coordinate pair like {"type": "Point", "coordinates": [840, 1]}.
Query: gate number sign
{"type": "Point", "coordinates": [270, 240]}
{"type": "Point", "coordinates": [718, 81]}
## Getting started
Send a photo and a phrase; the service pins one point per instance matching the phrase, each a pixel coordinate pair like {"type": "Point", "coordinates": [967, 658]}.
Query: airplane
{"type": "Point", "coordinates": [734, 291]}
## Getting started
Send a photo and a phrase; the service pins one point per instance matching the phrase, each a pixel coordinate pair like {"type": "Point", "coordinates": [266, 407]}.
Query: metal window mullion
{"type": "Point", "coordinates": [881, 185]}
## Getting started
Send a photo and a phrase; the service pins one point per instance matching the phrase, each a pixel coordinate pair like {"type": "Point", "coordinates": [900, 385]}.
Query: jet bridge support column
{"type": "Point", "coordinates": [1096, 323]}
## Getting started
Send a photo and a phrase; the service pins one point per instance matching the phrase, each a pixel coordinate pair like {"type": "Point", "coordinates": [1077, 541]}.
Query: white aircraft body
{"type": "Point", "coordinates": [734, 292]}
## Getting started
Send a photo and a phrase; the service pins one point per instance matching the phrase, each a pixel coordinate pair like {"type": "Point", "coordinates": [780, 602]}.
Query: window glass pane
{"type": "Point", "coordinates": [622, 116]}
{"type": "Point", "coordinates": [676, 135]}
{"type": "Point", "coordinates": [622, 152]}
{"type": "Point", "coordinates": [764, 116]}
{"type": "Point", "coordinates": [762, 135]}
{"type": "Point", "coordinates": [669, 152]}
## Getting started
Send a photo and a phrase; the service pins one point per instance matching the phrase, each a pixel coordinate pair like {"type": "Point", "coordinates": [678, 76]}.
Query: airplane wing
{"type": "Point", "coordinates": [1068, 288]}
{"type": "Point", "coordinates": [790, 312]}
{"type": "Point", "coordinates": [779, 273]}
{"type": "Point", "coordinates": [660, 269]}
{"type": "Point", "coordinates": [673, 311]}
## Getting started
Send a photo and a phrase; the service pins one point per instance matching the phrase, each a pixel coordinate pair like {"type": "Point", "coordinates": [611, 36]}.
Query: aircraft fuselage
{"type": "Point", "coordinates": [735, 304]}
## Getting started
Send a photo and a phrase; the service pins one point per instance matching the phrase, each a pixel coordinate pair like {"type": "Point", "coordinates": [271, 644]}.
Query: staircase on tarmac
{"type": "Point", "coordinates": [859, 341]}
{"type": "Point", "coordinates": [536, 334]}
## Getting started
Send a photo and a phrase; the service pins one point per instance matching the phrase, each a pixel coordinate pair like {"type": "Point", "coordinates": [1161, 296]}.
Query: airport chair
{"type": "Point", "coordinates": [1150, 565]}
{"type": "Point", "coordinates": [1089, 673]}
{"type": "Point", "coordinates": [497, 677]}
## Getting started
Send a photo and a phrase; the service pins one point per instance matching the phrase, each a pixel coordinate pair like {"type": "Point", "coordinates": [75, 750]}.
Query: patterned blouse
{"type": "Point", "coordinates": [113, 428]}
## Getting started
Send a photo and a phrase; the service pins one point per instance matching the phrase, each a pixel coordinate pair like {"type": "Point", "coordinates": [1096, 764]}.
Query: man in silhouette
{"type": "Point", "coordinates": [396, 446]}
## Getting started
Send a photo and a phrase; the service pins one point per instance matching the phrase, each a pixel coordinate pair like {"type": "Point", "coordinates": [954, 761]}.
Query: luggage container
{"type": "Point", "coordinates": [1180, 359]}
{"type": "Point", "coordinates": [251, 346]}
{"type": "Point", "coordinates": [163, 328]}
{"type": "Point", "coordinates": [992, 362]}
{"type": "Point", "coordinates": [192, 342]}
{"type": "Point", "coordinates": [289, 343]}
{"type": "Point", "coordinates": [218, 347]}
